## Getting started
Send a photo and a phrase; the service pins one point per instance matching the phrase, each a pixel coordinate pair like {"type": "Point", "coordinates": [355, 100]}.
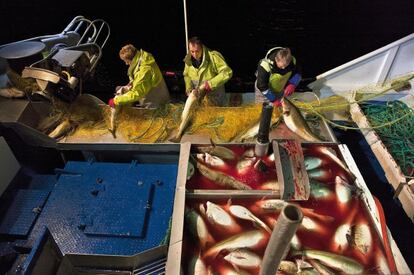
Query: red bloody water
{"type": "Point", "coordinates": [328, 214]}
{"type": "Point", "coordinates": [250, 176]}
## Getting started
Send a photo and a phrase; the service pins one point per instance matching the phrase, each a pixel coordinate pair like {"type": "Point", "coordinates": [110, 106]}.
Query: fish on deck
{"type": "Point", "coordinates": [296, 122]}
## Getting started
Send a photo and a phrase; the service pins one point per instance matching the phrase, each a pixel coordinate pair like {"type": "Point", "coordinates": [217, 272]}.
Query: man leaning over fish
{"type": "Point", "coordinates": [205, 73]}
{"type": "Point", "coordinates": [277, 76]}
{"type": "Point", "coordinates": [146, 86]}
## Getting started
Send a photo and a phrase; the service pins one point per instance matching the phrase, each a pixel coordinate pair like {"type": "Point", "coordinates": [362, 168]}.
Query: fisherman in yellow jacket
{"type": "Point", "coordinates": [146, 86]}
{"type": "Point", "coordinates": [205, 73]}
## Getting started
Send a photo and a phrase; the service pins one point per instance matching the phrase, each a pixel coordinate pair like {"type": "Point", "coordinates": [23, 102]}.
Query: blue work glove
{"type": "Point", "coordinates": [269, 95]}
{"type": "Point", "coordinates": [295, 79]}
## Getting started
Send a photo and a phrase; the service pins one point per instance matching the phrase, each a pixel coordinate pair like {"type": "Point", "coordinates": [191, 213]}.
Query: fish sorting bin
{"type": "Point", "coordinates": [340, 231]}
{"type": "Point", "coordinates": [234, 167]}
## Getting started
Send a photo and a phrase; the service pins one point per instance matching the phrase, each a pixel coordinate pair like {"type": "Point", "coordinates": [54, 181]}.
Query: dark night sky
{"type": "Point", "coordinates": [322, 34]}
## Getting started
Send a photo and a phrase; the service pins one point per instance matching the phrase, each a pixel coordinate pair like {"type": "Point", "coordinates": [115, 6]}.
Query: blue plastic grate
{"type": "Point", "coordinates": [116, 215]}
{"type": "Point", "coordinates": [22, 213]}
{"type": "Point", "coordinates": [102, 193]}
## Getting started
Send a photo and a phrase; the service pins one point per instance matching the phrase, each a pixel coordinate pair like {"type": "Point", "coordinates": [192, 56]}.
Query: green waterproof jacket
{"type": "Point", "coordinates": [144, 74]}
{"type": "Point", "coordinates": [213, 69]}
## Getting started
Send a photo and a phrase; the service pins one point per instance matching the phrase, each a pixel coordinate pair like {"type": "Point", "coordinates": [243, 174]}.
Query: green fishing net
{"type": "Point", "coordinates": [397, 137]}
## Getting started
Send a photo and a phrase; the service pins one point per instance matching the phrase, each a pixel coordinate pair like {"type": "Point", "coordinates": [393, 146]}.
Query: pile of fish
{"type": "Point", "coordinates": [229, 236]}
{"type": "Point", "coordinates": [232, 167]}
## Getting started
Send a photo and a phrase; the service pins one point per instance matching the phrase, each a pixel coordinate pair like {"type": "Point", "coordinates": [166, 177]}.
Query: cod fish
{"type": "Point", "coordinates": [245, 163]}
{"type": "Point", "coordinates": [325, 151]}
{"type": "Point", "coordinates": [320, 190]}
{"type": "Point", "coordinates": [11, 92]}
{"type": "Point", "coordinates": [254, 239]}
{"type": "Point", "coordinates": [242, 212]}
{"type": "Point", "coordinates": [198, 227]}
{"type": "Point", "coordinates": [186, 115]}
{"type": "Point", "coordinates": [312, 163]}
{"type": "Point", "coordinates": [249, 134]}
{"type": "Point", "coordinates": [339, 262]}
{"type": "Point", "coordinates": [65, 127]}
{"type": "Point", "coordinates": [243, 258]}
{"type": "Point", "coordinates": [221, 178]}
{"type": "Point", "coordinates": [112, 121]}
{"type": "Point", "coordinates": [197, 266]}
{"type": "Point", "coordinates": [344, 191]}
{"type": "Point", "coordinates": [288, 267]}
{"type": "Point", "coordinates": [296, 123]}
{"type": "Point", "coordinates": [361, 238]}
{"type": "Point", "coordinates": [322, 269]}
{"type": "Point", "coordinates": [271, 205]}
{"type": "Point", "coordinates": [218, 151]}
{"type": "Point", "coordinates": [221, 220]}
{"type": "Point", "coordinates": [210, 160]}
{"type": "Point", "coordinates": [320, 174]}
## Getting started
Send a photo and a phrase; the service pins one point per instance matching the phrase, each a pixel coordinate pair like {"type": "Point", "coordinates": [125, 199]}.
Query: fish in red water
{"type": "Point", "coordinates": [198, 227]}
{"type": "Point", "coordinates": [221, 178]}
{"type": "Point", "coordinates": [255, 239]}
{"type": "Point", "coordinates": [221, 220]}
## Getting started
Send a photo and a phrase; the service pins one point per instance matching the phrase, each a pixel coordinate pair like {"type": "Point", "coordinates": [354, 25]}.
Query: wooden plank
{"type": "Point", "coordinates": [392, 170]}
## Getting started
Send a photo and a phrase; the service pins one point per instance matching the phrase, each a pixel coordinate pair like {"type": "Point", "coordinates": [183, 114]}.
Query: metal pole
{"type": "Point", "coordinates": [185, 26]}
{"type": "Point", "coordinates": [287, 224]}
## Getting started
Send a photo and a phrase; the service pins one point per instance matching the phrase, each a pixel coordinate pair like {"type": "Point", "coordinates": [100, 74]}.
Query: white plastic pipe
{"type": "Point", "coordinates": [288, 222]}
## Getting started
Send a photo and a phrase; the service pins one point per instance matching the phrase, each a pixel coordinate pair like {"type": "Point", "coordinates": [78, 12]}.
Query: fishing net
{"type": "Point", "coordinates": [397, 137]}
{"type": "Point", "coordinates": [222, 124]}
{"type": "Point", "coordinates": [319, 107]}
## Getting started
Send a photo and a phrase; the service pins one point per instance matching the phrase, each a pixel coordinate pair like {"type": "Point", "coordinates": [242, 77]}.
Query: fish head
{"type": "Point", "coordinates": [213, 160]}
{"type": "Point", "coordinates": [239, 211]}
{"type": "Point", "coordinates": [286, 106]}
{"type": "Point", "coordinates": [210, 159]}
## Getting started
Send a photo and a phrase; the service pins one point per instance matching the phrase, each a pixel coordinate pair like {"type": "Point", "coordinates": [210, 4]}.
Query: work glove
{"type": "Point", "coordinates": [188, 92]}
{"type": "Point", "coordinates": [277, 103]}
{"type": "Point", "coordinates": [111, 103]}
{"type": "Point", "coordinates": [269, 95]}
{"type": "Point", "coordinates": [289, 89]}
{"type": "Point", "coordinates": [205, 87]}
{"type": "Point", "coordinates": [199, 93]}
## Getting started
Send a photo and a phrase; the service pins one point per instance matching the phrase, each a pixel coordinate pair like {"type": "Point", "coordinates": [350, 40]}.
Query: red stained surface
{"type": "Point", "coordinates": [249, 175]}
{"type": "Point", "coordinates": [327, 214]}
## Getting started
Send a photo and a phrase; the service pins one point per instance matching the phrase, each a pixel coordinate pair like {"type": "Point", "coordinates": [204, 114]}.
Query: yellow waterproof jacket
{"type": "Point", "coordinates": [144, 75]}
{"type": "Point", "coordinates": [213, 69]}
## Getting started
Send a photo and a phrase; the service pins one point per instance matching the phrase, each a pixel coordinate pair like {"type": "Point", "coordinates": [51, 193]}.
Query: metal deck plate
{"type": "Point", "coordinates": [23, 211]}
{"type": "Point", "coordinates": [121, 215]}
{"type": "Point", "coordinates": [70, 209]}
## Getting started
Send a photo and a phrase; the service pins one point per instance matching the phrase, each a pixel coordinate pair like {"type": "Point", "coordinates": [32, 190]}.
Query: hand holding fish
{"type": "Point", "coordinates": [277, 103]}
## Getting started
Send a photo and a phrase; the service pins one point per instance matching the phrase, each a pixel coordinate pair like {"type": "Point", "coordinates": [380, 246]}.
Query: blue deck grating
{"type": "Point", "coordinates": [116, 215]}
{"type": "Point", "coordinates": [100, 193]}
{"type": "Point", "coordinates": [22, 212]}
{"type": "Point", "coordinates": [45, 182]}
